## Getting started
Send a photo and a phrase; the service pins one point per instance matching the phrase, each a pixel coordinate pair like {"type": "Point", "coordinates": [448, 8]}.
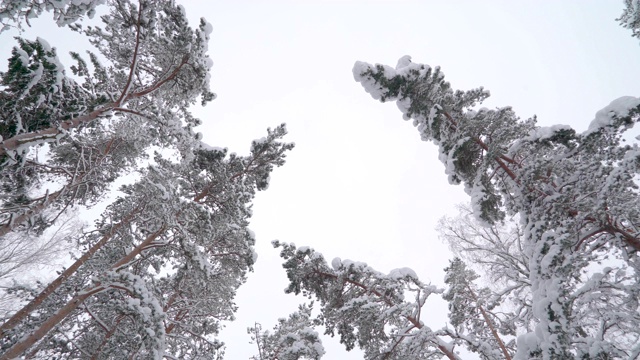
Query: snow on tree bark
{"type": "Point", "coordinates": [603, 303]}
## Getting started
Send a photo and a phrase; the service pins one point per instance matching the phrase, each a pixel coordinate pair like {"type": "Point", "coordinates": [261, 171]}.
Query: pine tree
{"type": "Point", "coordinates": [578, 207]}
{"type": "Point", "coordinates": [97, 129]}
{"type": "Point", "coordinates": [158, 274]}
{"type": "Point", "coordinates": [177, 249]}
{"type": "Point", "coordinates": [292, 339]}
{"type": "Point", "coordinates": [366, 308]}
{"type": "Point", "coordinates": [510, 166]}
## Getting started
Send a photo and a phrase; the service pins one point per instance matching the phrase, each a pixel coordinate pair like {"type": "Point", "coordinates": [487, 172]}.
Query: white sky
{"type": "Point", "coordinates": [360, 184]}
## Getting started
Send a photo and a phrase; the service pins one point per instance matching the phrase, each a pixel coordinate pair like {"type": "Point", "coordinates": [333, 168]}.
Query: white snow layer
{"type": "Point", "coordinates": [403, 67]}
{"type": "Point", "coordinates": [617, 108]}
{"type": "Point", "coordinates": [336, 263]}
{"type": "Point", "coordinates": [545, 132]}
{"type": "Point", "coordinates": [403, 273]}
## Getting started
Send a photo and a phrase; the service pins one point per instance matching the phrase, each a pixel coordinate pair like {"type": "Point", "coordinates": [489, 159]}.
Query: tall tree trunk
{"type": "Point", "coordinates": [55, 284]}
{"type": "Point", "coordinates": [20, 347]}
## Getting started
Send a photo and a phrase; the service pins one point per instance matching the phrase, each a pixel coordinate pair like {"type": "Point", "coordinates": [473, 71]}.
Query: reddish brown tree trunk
{"type": "Point", "coordinates": [21, 346]}
{"type": "Point", "coordinates": [55, 284]}
{"type": "Point", "coordinates": [490, 324]}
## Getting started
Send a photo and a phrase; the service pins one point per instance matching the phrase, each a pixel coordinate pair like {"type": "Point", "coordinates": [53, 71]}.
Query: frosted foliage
{"type": "Point", "coordinates": [477, 324]}
{"type": "Point", "coordinates": [379, 313]}
{"type": "Point", "coordinates": [574, 195]}
{"type": "Point", "coordinates": [99, 124]}
{"type": "Point", "coordinates": [291, 339]}
{"type": "Point", "coordinates": [164, 263]}
{"type": "Point", "coordinates": [618, 108]}
{"type": "Point", "coordinates": [631, 16]}
{"type": "Point", "coordinates": [13, 12]}
{"type": "Point", "coordinates": [156, 275]}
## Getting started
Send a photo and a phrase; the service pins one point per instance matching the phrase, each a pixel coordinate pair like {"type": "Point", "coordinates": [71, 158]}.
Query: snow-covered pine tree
{"type": "Point", "coordinates": [156, 67]}
{"type": "Point", "coordinates": [366, 308]}
{"type": "Point", "coordinates": [484, 319]}
{"type": "Point", "coordinates": [474, 324]}
{"type": "Point", "coordinates": [574, 192]}
{"type": "Point", "coordinates": [178, 248]}
{"type": "Point", "coordinates": [160, 271]}
{"type": "Point", "coordinates": [292, 338]}
{"type": "Point", "coordinates": [34, 93]}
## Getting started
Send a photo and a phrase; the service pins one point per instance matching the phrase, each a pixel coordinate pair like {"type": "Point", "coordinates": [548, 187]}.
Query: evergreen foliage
{"type": "Point", "coordinates": [630, 18]}
{"type": "Point", "coordinates": [474, 323]}
{"type": "Point", "coordinates": [574, 193]}
{"type": "Point", "coordinates": [96, 129]}
{"type": "Point", "coordinates": [576, 200]}
{"type": "Point", "coordinates": [366, 308]}
{"type": "Point", "coordinates": [157, 275]}
{"type": "Point", "coordinates": [178, 251]}
{"type": "Point", "coordinates": [554, 220]}
{"type": "Point", "coordinates": [292, 338]}
{"type": "Point", "coordinates": [14, 12]}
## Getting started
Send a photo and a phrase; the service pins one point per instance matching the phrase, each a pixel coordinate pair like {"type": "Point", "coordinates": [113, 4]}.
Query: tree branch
{"type": "Point", "coordinates": [134, 61]}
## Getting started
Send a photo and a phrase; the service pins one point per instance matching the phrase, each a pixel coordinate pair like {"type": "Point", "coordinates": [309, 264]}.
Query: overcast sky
{"type": "Point", "coordinates": [360, 184]}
